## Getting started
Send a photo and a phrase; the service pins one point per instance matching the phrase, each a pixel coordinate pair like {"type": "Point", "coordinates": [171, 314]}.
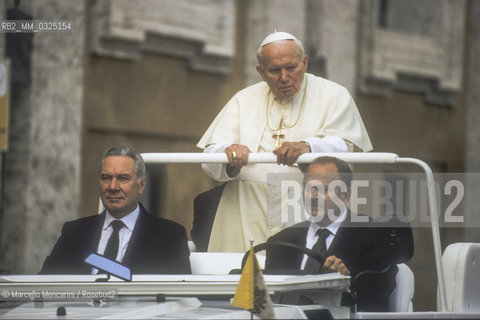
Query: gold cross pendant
{"type": "Point", "coordinates": [277, 138]}
{"type": "Point", "coordinates": [279, 134]}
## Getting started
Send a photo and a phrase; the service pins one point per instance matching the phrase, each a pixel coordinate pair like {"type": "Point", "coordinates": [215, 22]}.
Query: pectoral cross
{"type": "Point", "coordinates": [279, 134]}
{"type": "Point", "coordinates": [277, 137]}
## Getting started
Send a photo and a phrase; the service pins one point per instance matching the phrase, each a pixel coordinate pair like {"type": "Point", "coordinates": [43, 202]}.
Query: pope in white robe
{"type": "Point", "coordinates": [289, 113]}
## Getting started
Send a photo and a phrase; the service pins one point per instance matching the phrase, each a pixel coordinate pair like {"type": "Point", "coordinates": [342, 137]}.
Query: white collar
{"type": "Point", "coordinates": [332, 227]}
{"type": "Point", "coordinates": [129, 220]}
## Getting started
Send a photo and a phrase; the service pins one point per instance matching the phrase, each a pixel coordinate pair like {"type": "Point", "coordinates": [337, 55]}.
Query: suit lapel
{"type": "Point", "coordinates": [136, 238]}
{"type": "Point", "coordinates": [300, 238]}
{"type": "Point", "coordinates": [97, 232]}
{"type": "Point", "coordinates": [92, 234]}
{"type": "Point", "coordinates": [342, 237]}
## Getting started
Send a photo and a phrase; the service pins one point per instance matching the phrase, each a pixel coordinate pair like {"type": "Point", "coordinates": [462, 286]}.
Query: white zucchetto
{"type": "Point", "coordinates": [277, 36]}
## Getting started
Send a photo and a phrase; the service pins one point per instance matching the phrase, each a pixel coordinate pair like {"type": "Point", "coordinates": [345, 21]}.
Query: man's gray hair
{"type": "Point", "coordinates": [131, 153]}
{"type": "Point", "coordinates": [261, 59]}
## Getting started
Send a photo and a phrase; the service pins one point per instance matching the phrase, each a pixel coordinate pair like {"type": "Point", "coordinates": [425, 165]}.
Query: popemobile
{"type": "Point", "coordinates": [231, 285]}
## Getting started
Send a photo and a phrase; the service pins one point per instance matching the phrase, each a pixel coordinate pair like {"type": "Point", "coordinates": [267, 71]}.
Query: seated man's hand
{"type": "Point", "coordinates": [289, 152]}
{"type": "Point", "coordinates": [333, 264]}
{"type": "Point", "coordinates": [237, 158]}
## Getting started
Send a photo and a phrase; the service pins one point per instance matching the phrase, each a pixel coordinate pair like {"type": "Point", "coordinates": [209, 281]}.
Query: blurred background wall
{"type": "Point", "coordinates": [152, 74]}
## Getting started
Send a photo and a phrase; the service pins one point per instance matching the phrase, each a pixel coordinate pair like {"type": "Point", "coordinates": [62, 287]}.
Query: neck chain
{"type": "Point", "coordinates": [283, 124]}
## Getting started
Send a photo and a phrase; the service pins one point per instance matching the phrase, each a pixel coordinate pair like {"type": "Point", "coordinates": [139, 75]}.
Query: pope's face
{"type": "Point", "coordinates": [323, 195]}
{"type": "Point", "coordinates": [283, 67]}
{"type": "Point", "coordinates": [120, 188]}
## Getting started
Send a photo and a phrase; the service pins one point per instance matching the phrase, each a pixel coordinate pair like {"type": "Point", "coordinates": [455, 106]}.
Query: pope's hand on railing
{"type": "Point", "coordinates": [237, 155]}
{"type": "Point", "coordinates": [289, 152]}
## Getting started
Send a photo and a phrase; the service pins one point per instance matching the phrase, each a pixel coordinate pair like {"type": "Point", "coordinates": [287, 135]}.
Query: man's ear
{"type": "Point", "coordinates": [260, 72]}
{"type": "Point", "coordinates": [305, 62]}
{"type": "Point", "coordinates": [143, 183]}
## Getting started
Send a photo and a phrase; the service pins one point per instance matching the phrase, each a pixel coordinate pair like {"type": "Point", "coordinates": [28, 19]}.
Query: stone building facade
{"type": "Point", "coordinates": [153, 74]}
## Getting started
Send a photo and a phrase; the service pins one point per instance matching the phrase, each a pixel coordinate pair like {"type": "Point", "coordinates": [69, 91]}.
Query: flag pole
{"type": "Point", "coordinates": [251, 245]}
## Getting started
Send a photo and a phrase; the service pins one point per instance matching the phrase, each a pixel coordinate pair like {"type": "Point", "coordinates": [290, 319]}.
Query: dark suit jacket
{"type": "Point", "coordinates": [157, 246]}
{"type": "Point", "coordinates": [355, 245]}
{"type": "Point", "coordinates": [204, 210]}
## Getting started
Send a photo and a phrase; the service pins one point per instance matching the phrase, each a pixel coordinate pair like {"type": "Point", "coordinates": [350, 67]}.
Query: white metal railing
{"type": "Point", "coordinates": [267, 157]}
{"type": "Point", "coordinates": [352, 157]}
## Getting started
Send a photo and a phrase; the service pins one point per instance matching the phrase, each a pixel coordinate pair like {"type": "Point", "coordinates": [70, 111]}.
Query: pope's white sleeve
{"type": "Point", "coordinates": [216, 171]}
{"type": "Point", "coordinates": [328, 144]}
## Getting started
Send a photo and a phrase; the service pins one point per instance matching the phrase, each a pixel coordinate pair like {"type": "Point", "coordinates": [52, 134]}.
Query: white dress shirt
{"type": "Point", "coordinates": [312, 236]}
{"type": "Point", "coordinates": [123, 235]}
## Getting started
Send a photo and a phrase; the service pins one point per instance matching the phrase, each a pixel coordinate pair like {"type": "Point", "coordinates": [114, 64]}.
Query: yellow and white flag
{"type": "Point", "coordinates": [251, 293]}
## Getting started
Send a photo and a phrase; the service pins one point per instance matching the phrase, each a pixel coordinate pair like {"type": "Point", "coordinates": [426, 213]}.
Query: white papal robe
{"type": "Point", "coordinates": [329, 120]}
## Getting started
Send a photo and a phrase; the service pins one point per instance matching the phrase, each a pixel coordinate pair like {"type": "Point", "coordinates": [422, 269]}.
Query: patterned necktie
{"type": "Point", "coordinates": [111, 250]}
{"type": "Point", "coordinates": [312, 266]}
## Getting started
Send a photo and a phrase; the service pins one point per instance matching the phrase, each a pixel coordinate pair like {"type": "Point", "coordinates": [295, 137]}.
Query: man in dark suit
{"type": "Point", "coordinates": [125, 231]}
{"type": "Point", "coordinates": [348, 241]}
